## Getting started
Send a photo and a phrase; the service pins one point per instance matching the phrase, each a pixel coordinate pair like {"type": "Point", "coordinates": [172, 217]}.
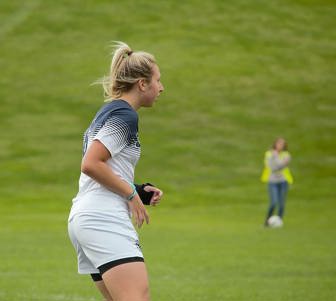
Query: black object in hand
{"type": "Point", "coordinates": [144, 195]}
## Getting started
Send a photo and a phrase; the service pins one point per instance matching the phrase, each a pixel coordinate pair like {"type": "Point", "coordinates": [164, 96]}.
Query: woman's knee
{"type": "Point", "coordinates": [136, 294]}
{"type": "Point", "coordinates": [139, 295]}
{"type": "Point", "coordinates": [145, 293]}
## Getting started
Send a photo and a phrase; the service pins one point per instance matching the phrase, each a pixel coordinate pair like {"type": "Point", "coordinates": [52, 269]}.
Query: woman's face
{"type": "Point", "coordinates": [280, 145]}
{"type": "Point", "coordinates": [152, 89]}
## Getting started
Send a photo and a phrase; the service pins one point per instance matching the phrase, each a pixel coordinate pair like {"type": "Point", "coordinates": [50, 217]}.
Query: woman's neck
{"type": "Point", "coordinates": [131, 99]}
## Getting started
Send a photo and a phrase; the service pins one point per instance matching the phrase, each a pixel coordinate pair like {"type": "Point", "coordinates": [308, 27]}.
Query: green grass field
{"type": "Point", "coordinates": [237, 74]}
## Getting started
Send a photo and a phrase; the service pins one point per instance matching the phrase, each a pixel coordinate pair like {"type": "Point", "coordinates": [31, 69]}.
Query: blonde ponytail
{"type": "Point", "coordinates": [127, 68]}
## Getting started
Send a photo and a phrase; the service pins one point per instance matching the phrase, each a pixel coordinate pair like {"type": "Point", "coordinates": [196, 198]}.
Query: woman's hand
{"type": "Point", "coordinates": [138, 210]}
{"type": "Point", "coordinates": [286, 160]}
{"type": "Point", "coordinates": [156, 196]}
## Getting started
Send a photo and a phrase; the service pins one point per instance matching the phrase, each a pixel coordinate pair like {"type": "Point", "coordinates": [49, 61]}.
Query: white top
{"type": "Point", "coordinates": [277, 162]}
{"type": "Point", "coordinates": [116, 126]}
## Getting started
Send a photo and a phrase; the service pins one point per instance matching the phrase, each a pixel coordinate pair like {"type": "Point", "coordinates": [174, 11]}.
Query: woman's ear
{"type": "Point", "coordinates": [142, 85]}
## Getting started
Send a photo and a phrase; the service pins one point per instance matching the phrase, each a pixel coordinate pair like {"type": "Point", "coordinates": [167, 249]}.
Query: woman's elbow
{"type": "Point", "coordinates": [87, 167]}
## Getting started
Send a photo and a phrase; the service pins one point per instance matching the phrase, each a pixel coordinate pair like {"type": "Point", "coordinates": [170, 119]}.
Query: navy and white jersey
{"type": "Point", "coordinates": [116, 126]}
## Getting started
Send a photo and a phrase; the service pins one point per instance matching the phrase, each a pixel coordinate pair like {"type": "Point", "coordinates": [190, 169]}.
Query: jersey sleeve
{"type": "Point", "coordinates": [114, 134]}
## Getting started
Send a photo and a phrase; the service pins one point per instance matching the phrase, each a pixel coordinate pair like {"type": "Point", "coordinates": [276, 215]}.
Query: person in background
{"type": "Point", "coordinates": [278, 176]}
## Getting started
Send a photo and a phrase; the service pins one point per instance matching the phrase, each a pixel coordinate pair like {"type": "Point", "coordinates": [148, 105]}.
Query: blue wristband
{"type": "Point", "coordinates": [134, 192]}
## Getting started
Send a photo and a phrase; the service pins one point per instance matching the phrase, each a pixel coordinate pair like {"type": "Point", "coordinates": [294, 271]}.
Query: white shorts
{"type": "Point", "coordinates": [101, 238]}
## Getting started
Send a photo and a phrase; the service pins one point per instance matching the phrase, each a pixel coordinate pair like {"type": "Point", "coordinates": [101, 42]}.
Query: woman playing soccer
{"type": "Point", "coordinates": [277, 174]}
{"type": "Point", "coordinates": [100, 226]}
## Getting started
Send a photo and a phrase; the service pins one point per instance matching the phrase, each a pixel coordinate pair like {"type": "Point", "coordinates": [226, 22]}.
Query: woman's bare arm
{"type": "Point", "coordinates": [95, 166]}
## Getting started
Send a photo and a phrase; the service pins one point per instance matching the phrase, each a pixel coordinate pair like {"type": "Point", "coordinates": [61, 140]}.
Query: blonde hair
{"type": "Point", "coordinates": [127, 68]}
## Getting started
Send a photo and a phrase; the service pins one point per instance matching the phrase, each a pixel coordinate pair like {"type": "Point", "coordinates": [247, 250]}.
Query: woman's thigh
{"type": "Point", "coordinates": [102, 288]}
{"type": "Point", "coordinates": [128, 281]}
